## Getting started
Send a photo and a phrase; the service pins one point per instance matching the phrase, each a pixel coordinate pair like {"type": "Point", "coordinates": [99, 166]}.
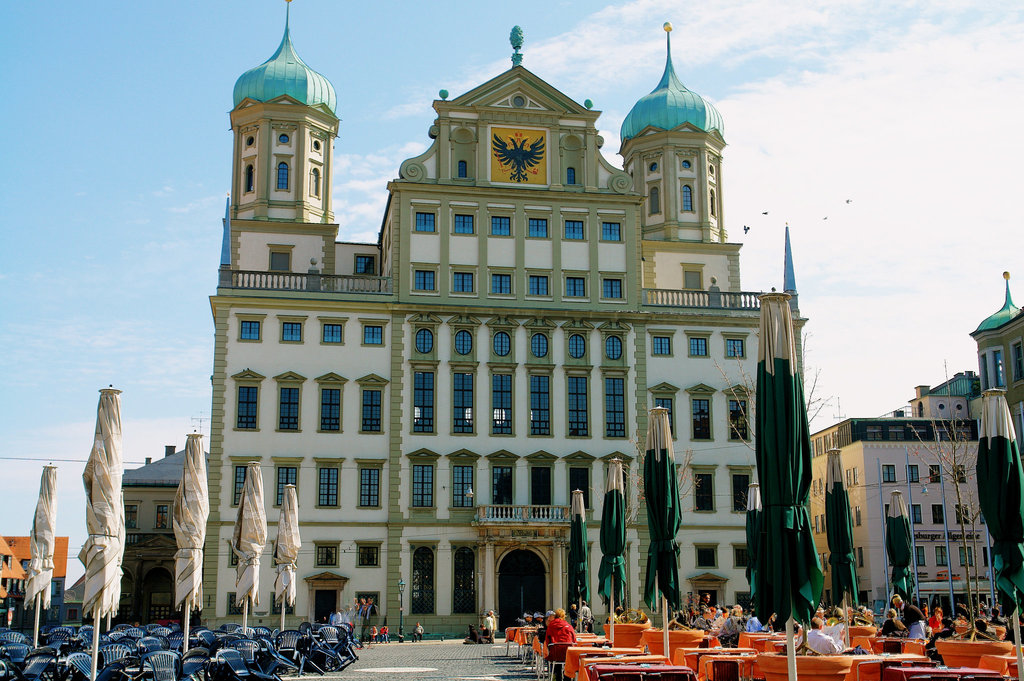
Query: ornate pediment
{"type": "Point", "coordinates": [372, 379]}
{"type": "Point", "coordinates": [248, 375]}
{"type": "Point", "coordinates": [539, 323]}
{"type": "Point", "coordinates": [502, 322]}
{"type": "Point", "coordinates": [701, 389]}
{"type": "Point", "coordinates": [502, 455]}
{"type": "Point", "coordinates": [540, 456]}
{"type": "Point", "coordinates": [331, 377]}
{"type": "Point", "coordinates": [424, 453]}
{"type": "Point", "coordinates": [663, 387]}
{"type": "Point", "coordinates": [519, 88]}
{"type": "Point", "coordinates": [463, 455]}
{"type": "Point", "coordinates": [425, 318]}
{"type": "Point", "coordinates": [580, 456]}
{"type": "Point", "coordinates": [290, 377]}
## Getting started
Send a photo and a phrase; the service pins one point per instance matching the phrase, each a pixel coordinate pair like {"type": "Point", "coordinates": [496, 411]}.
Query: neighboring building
{"type": "Point", "coordinates": [73, 598]}
{"type": "Point", "coordinates": [436, 395]}
{"type": "Point", "coordinates": [1000, 341]}
{"type": "Point", "coordinates": [910, 450]}
{"type": "Point", "coordinates": [24, 618]}
{"type": "Point", "coordinates": [12, 585]}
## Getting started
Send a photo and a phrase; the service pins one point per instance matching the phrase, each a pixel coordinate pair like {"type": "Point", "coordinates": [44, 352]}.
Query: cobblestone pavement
{"type": "Point", "coordinates": [434, 660]}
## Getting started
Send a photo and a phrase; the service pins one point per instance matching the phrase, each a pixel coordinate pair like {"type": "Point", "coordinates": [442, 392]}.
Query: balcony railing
{"type": "Point", "coordinates": [508, 514]}
{"type": "Point", "coordinates": [309, 282]}
{"type": "Point", "coordinates": [663, 297]}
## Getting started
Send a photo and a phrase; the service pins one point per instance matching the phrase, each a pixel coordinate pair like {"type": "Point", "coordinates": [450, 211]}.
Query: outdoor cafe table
{"type": "Point", "coordinates": [691, 657]}
{"type": "Point", "coordinates": [910, 645]}
{"type": "Point", "coordinates": [748, 663]}
{"type": "Point", "coordinates": [587, 663]}
{"type": "Point", "coordinates": [524, 634]}
{"type": "Point", "coordinates": [573, 655]}
{"type": "Point", "coordinates": [747, 638]}
{"type": "Point", "coordinates": [904, 673]}
{"type": "Point", "coordinates": [655, 670]}
{"type": "Point", "coordinates": [871, 668]}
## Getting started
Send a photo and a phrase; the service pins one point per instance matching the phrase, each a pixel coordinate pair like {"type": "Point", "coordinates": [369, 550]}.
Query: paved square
{"type": "Point", "coordinates": [434, 660]}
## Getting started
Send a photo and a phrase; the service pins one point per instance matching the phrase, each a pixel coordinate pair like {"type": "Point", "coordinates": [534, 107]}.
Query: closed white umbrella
{"type": "Point", "coordinates": [191, 511]}
{"type": "Point", "coordinates": [287, 553]}
{"type": "Point", "coordinates": [41, 543]}
{"type": "Point", "coordinates": [104, 513]}
{"type": "Point", "coordinates": [249, 538]}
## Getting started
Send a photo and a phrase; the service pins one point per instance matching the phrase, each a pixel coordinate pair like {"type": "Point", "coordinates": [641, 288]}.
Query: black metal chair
{"type": "Point", "coordinates": [14, 637]}
{"type": "Point", "coordinates": [40, 665]}
{"type": "Point", "coordinates": [294, 646]}
{"type": "Point", "coordinates": [194, 664]}
{"type": "Point", "coordinates": [150, 644]}
{"type": "Point", "coordinates": [162, 665]}
{"type": "Point", "coordinates": [15, 652]}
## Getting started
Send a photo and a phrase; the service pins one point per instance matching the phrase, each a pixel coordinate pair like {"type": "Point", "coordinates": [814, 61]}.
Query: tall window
{"type": "Point", "coordinates": [738, 420]}
{"type": "Point", "coordinates": [131, 516]}
{"type": "Point", "coordinates": [247, 403]}
{"type": "Point", "coordinates": [937, 514]}
{"type": "Point", "coordinates": [501, 284]}
{"type": "Point", "coordinates": [919, 557]}
{"type": "Point", "coordinates": [161, 517]}
{"type": "Point", "coordinates": [913, 473]}
{"type": "Point", "coordinates": [286, 475]}
{"type": "Point", "coordinates": [611, 231]}
{"type": "Point", "coordinates": [540, 404]}
{"type": "Point", "coordinates": [501, 225]}
{"type": "Point", "coordinates": [371, 411]}
{"type": "Point", "coordinates": [463, 224]}
{"type": "Point", "coordinates": [538, 228]}
{"type": "Point", "coordinates": [661, 345]}
{"type": "Point", "coordinates": [941, 558]}
{"type": "Point", "coordinates": [966, 557]}
{"type": "Point", "coordinates": [611, 288]}
{"type": "Point", "coordinates": [614, 407]}
{"type": "Point", "coordinates": [575, 287]}
{"type": "Point", "coordinates": [915, 514]}
{"type": "Point", "coordinates": [703, 492]}
{"type": "Point", "coordinates": [701, 412]}
{"type": "Point", "coordinates": [888, 473]}
{"type": "Point", "coordinates": [570, 175]}
{"type": "Point", "coordinates": [464, 587]}
{"type": "Point", "coordinates": [282, 175]}
{"type": "Point", "coordinates": [574, 229]}
{"type": "Point", "coordinates": [654, 202]}
{"type": "Point", "coordinates": [1018, 361]}
{"type": "Point", "coordinates": [579, 479]}
{"type": "Point", "coordinates": [424, 341]}
{"type": "Point", "coordinates": [578, 423]}
{"type": "Point", "coordinates": [463, 342]}
{"type": "Point", "coordinates": [740, 485]}
{"type": "Point", "coordinates": [577, 346]}
{"type": "Point", "coordinates": [289, 409]}
{"type": "Point", "coordinates": [462, 483]}
{"type": "Point", "coordinates": [538, 285]}
{"type": "Point", "coordinates": [423, 402]}
{"type": "Point", "coordinates": [422, 587]}
{"type": "Point", "coordinates": [463, 169]}
{"type": "Point", "coordinates": [667, 403]}
{"type": "Point", "coordinates": [540, 485]}
{"type": "Point", "coordinates": [501, 404]}
{"type": "Point", "coordinates": [613, 347]}
{"type": "Point", "coordinates": [462, 407]}
{"type": "Point", "coordinates": [462, 282]}
{"type": "Point", "coordinates": [422, 485]}
{"type": "Point", "coordinates": [539, 345]}
{"type": "Point", "coordinates": [424, 222]}
{"type": "Point", "coordinates": [330, 409]}
{"type": "Point", "coordinates": [687, 198]}
{"type": "Point", "coordinates": [369, 487]}
{"type": "Point", "coordinates": [327, 488]}
{"type": "Point", "coordinates": [698, 347]}
{"type": "Point", "coordinates": [250, 178]}
{"type": "Point", "coordinates": [502, 343]}
{"type": "Point", "coordinates": [314, 187]}
{"type": "Point", "coordinates": [501, 485]}
{"type": "Point", "coordinates": [997, 364]}
{"type": "Point", "coordinates": [239, 484]}
{"type": "Point", "coordinates": [711, 204]}
{"type": "Point", "coordinates": [423, 280]}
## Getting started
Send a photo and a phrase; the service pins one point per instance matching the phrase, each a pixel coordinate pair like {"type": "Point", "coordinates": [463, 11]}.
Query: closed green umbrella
{"type": "Point", "coordinates": [753, 538]}
{"type": "Point", "coordinates": [898, 545]}
{"type": "Point", "coordinates": [839, 531]}
{"type": "Point", "coordinates": [579, 574]}
{"type": "Point", "coordinates": [1001, 492]}
{"type": "Point", "coordinates": [664, 516]}
{"type": "Point", "coordinates": [612, 574]}
{"type": "Point", "coordinates": [789, 579]}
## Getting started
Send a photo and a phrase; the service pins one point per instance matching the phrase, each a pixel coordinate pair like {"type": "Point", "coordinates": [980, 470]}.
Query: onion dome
{"type": "Point", "coordinates": [1005, 314]}
{"type": "Point", "coordinates": [286, 74]}
{"type": "Point", "coordinates": [671, 105]}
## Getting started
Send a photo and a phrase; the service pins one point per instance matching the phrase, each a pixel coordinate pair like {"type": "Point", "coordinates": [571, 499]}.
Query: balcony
{"type": "Point", "coordinates": [502, 514]}
{"type": "Point", "coordinates": [311, 282]}
{"type": "Point", "coordinates": [715, 300]}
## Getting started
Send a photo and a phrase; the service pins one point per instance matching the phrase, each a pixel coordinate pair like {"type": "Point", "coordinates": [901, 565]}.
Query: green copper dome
{"type": "Point", "coordinates": [285, 74]}
{"type": "Point", "coordinates": [1005, 314]}
{"type": "Point", "coordinates": [670, 105]}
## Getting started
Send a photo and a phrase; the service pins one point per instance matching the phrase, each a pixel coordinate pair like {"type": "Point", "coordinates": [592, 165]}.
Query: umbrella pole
{"type": "Point", "coordinates": [846, 622]}
{"type": "Point", "coordinates": [245, 613]}
{"type": "Point", "coordinates": [664, 626]}
{"type": "Point", "coordinates": [611, 614]}
{"type": "Point", "coordinates": [96, 619]}
{"type": "Point", "coordinates": [790, 649]}
{"type": "Point", "coordinates": [35, 629]}
{"type": "Point", "coordinates": [283, 604]}
{"type": "Point", "coordinates": [1017, 643]}
{"type": "Point", "coordinates": [188, 616]}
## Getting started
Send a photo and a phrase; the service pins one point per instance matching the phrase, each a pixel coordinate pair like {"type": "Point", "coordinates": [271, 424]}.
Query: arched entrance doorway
{"type": "Point", "coordinates": [521, 586]}
{"type": "Point", "coordinates": [157, 596]}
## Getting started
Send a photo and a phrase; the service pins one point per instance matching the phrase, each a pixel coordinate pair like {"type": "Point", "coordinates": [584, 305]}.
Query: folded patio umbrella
{"type": "Point", "coordinates": [664, 516]}
{"type": "Point", "coordinates": [898, 545]}
{"type": "Point", "coordinates": [579, 559]}
{"type": "Point", "coordinates": [612, 574]}
{"type": "Point", "coordinates": [249, 539]}
{"type": "Point", "coordinates": [191, 511]}
{"type": "Point", "coordinates": [287, 551]}
{"type": "Point", "coordinates": [753, 527]}
{"type": "Point", "coordinates": [41, 545]}
{"type": "Point", "coordinates": [839, 533]}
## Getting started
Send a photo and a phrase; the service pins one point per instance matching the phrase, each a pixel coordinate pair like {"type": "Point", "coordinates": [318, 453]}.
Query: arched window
{"type": "Point", "coordinates": [570, 176]}
{"type": "Point", "coordinates": [422, 581]}
{"type": "Point", "coordinates": [463, 169]}
{"type": "Point", "coordinates": [282, 175]}
{"type": "Point", "coordinates": [687, 197]}
{"type": "Point", "coordinates": [712, 205]}
{"type": "Point", "coordinates": [464, 591]}
{"type": "Point", "coordinates": [920, 408]}
{"type": "Point", "coordinates": [654, 202]}
{"type": "Point", "coordinates": [250, 178]}
{"type": "Point", "coordinates": [315, 188]}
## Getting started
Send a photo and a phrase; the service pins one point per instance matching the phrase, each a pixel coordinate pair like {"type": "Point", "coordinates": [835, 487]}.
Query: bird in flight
{"type": "Point", "coordinates": [849, 200]}
{"type": "Point", "coordinates": [764, 213]}
{"type": "Point", "coordinates": [518, 155]}
{"type": "Point", "coordinates": [745, 229]}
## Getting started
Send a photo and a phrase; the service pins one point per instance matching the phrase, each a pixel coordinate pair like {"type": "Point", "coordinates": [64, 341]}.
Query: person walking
{"type": "Point", "coordinates": [490, 624]}
{"type": "Point", "coordinates": [587, 615]}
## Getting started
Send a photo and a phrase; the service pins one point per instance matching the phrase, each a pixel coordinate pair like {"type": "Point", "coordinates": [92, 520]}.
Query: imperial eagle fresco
{"type": "Point", "coordinates": [519, 156]}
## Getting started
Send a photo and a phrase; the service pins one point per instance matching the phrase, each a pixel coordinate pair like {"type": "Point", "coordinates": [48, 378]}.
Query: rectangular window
{"type": "Point", "coordinates": [574, 230]}
{"type": "Point", "coordinates": [1018, 361]}
{"type": "Point", "coordinates": [422, 486]}
{"type": "Point", "coordinates": [131, 517]}
{"type": "Point", "coordinates": [739, 556]}
{"type": "Point", "coordinates": [463, 224]}
{"type": "Point", "coordinates": [913, 473]}
{"type": "Point", "coordinates": [366, 264]}
{"type": "Point", "coordinates": [501, 485]}
{"type": "Point", "coordinates": [161, 517]}
{"type": "Point", "coordinates": [997, 365]}
{"type": "Point", "coordinates": [860, 557]}
{"type": "Point", "coordinates": [698, 347]}
{"type": "Point", "coordinates": [326, 556]}
{"type": "Point", "coordinates": [327, 488]}
{"type": "Point", "coordinates": [873, 432]}
{"type": "Point", "coordinates": [540, 486]}
{"type": "Point", "coordinates": [424, 222]}
{"type": "Point", "coordinates": [915, 514]}
{"type": "Point", "coordinates": [611, 231]}
{"type": "Point", "coordinates": [740, 485]}
{"type": "Point", "coordinates": [501, 284]}
{"type": "Point", "coordinates": [369, 556]}
{"type": "Point", "coordinates": [291, 332]}
{"type": "Point", "coordinates": [888, 473]}
{"type": "Point", "coordinates": [373, 335]}
{"type": "Point", "coordinates": [462, 484]}
{"type": "Point", "coordinates": [707, 556]}
{"type": "Point", "coordinates": [369, 487]}
{"type": "Point", "coordinates": [938, 513]}
{"type": "Point", "coordinates": [692, 280]}
{"type": "Point", "coordinates": [462, 282]}
{"type": "Point", "coordinates": [538, 228]}
{"type": "Point", "coordinates": [578, 422]}
{"type": "Point", "coordinates": [919, 557]}
{"type": "Point", "coordinates": [247, 403]}
{"type": "Point", "coordinates": [934, 474]}
{"type": "Point", "coordinates": [738, 420]}
{"type": "Point", "coordinates": [370, 422]}
{"type": "Point", "coordinates": [239, 484]}
{"type": "Point", "coordinates": [501, 225]}
{"type": "Point", "coordinates": [330, 409]}
{"type": "Point", "coordinates": [281, 261]}
{"type": "Point", "coordinates": [423, 402]}
{"type": "Point", "coordinates": [286, 475]}
{"type": "Point", "coordinates": [703, 492]}
{"type": "Point", "coordinates": [667, 403]}
{"type": "Point", "coordinates": [734, 348]}
{"type": "Point", "coordinates": [611, 288]}
{"type": "Point", "coordinates": [462, 403]}
{"type": "Point", "coordinates": [250, 330]}
{"type": "Point", "coordinates": [501, 404]}
{"type": "Point", "coordinates": [897, 433]}
{"type": "Point", "coordinates": [856, 516]}
{"type": "Point", "coordinates": [538, 285]}
{"type": "Point", "coordinates": [661, 345]}
{"type": "Point", "coordinates": [614, 407]}
{"type": "Point", "coordinates": [701, 413]}
{"type": "Point", "coordinates": [424, 280]}
{"type": "Point", "coordinates": [289, 409]}
{"type": "Point", "coordinates": [967, 558]}
{"type": "Point", "coordinates": [941, 559]}
{"type": "Point", "coordinates": [332, 333]}
{"type": "Point", "coordinates": [575, 287]}
{"type": "Point", "coordinates": [540, 405]}
{"type": "Point", "coordinates": [579, 479]}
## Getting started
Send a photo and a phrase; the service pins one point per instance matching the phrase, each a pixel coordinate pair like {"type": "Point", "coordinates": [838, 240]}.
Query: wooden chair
{"type": "Point", "coordinates": [556, 658]}
{"type": "Point", "coordinates": [892, 646]}
{"type": "Point", "coordinates": [724, 670]}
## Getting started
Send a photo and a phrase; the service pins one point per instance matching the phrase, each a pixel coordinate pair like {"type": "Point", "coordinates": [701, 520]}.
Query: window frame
{"type": "Point", "coordinates": [369, 485]}
{"type": "Point", "coordinates": [463, 221]}
{"type": "Point", "coordinates": [422, 489]}
{"type": "Point", "coordinates": [420, 226]}
{"type": "Point", "coordinates": [616, 234]}
{"type": "Point", "coordinates": [324, 496]}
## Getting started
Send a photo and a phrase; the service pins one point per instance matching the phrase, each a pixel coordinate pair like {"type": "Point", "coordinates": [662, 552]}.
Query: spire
{"type": "Point", "coordinates": [669, 78]}
{"type": "Point", "coordinates": [1008, 302]}
{"type": "Point", "coordinates": [789, 275]}
{"type": "Point", "coordinates": [516, 38]}
{"type": "Point", "coordinates": [225, 246]}
{"type": "Point", "coordinates": [1007, 312]}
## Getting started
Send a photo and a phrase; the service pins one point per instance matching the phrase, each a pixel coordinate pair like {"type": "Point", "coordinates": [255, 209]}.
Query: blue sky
{"type": "Point", "coordinates": [117, 165]}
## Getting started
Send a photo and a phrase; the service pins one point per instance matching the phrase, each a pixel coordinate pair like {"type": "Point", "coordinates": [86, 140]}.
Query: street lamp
{"type": "Point", "coordinates": [401, 609]}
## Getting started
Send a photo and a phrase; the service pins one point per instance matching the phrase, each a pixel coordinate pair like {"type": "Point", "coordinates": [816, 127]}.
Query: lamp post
{"type": "Point", "coordinates": [401, 610]}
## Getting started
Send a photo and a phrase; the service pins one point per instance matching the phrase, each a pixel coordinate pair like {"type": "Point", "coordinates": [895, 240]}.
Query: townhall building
{"type": "Point", "coordinates": [435, 396]}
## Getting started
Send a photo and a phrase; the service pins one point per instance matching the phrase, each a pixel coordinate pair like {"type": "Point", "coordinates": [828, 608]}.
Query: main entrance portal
{"type": "Point", "coordinates": [521, 586]}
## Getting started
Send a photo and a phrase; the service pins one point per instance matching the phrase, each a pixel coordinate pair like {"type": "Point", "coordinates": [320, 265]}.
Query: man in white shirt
{"type": "Point", "coordinates": [490, 624]}
{"type": "Point", "coordinates": [820, 642]}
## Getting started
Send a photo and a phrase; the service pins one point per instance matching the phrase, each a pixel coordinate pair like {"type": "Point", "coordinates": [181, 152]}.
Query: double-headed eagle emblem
{"type": "Point", "coordinates": [519, 155]}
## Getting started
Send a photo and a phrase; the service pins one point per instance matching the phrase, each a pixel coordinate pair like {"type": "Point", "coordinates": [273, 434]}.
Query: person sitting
{"type": "Point", "coordinates": [819, 641]}
{"type": "Point", "coordinates": [558, 630]}
{"type": "Point", "coordinates": [892, 626]}
{"type": "Point", "coordinates": [384, 634]}
{"type": "Point", "coordinates": [944, 630]}
{"type": "Point", "coordinates": [473, 637]}
{"type": "Point", "coordinates": [542, 622]}
{"type": "Point", "coordinates": [374, 634]}
{"type": "Point", "coordinates": [706, 621]}
{"type": "Point", "coordinates": [729, 634]}
{"type": "Point", "coordinates": [417, 633]}
{"type": "Point", "coordinates": [754, 624]}
{"type": "Point", "coordinates": [935, 621]}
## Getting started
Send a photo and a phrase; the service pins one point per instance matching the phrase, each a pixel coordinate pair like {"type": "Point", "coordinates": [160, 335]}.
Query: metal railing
{"type": "Point", "coordinates": [310, 282]}
{"type": "Point", "coordinates": [505, 513]}
{"type": "Point", "coordinates": [663, 297]}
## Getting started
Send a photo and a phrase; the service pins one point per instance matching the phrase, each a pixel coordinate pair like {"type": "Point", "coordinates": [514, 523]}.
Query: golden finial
{"type": "Point", "coordinates": [1006, 276]}
{"type": "Point", "coordinates": [667, 25]}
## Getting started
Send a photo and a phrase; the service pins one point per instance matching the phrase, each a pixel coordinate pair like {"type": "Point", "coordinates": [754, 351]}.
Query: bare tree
{"type": "Point", "coordinates": [635, 479]}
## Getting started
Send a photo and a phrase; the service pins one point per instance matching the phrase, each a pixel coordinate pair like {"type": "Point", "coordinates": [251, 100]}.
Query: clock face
{"type": "Point", "coordinates": [519, 156]}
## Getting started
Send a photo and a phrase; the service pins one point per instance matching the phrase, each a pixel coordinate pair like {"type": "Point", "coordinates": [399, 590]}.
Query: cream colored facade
{"type": "Point", "coordinates": [462, 490]}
